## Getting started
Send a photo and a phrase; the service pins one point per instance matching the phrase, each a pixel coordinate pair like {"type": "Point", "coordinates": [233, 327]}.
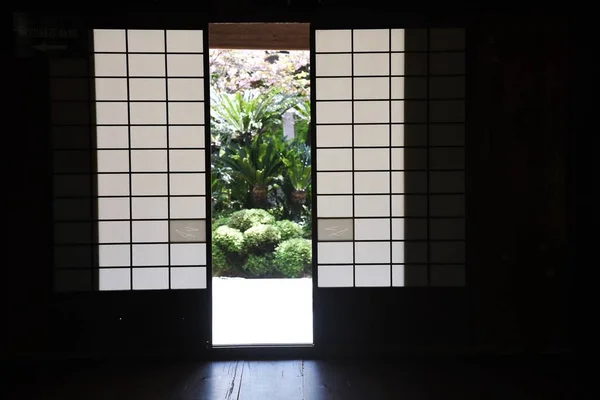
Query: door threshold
{"type": "Point", "coordinates": [260, 346]}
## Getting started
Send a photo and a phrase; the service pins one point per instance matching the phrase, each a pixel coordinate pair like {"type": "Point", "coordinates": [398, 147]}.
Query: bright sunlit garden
{"type": "Point", "coordinates": [261, 164]}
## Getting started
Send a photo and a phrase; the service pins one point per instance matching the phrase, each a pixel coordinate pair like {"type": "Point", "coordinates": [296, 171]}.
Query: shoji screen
{"type": "Point", "coordinates": [390, 181]}
{"type": "Point", "coordinates": [146, 185]}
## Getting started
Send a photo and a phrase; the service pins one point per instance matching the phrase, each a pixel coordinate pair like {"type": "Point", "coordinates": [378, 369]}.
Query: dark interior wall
{"type": "Point", "coordinates": [519, 271]}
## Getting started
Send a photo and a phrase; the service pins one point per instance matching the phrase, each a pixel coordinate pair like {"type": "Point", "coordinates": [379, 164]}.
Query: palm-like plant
{"type": "Point", "coordinates": [298, 173]}
{"type": "Point", "coordinates": [248, 114]}
{"type": "Point", "coordinates": [258, 165]}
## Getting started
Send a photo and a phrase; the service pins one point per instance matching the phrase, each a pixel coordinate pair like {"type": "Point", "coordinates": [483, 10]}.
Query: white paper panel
{"type": "Point", "coordinates": [334, 182]}
{"type": "Point", "coordinates": [112, 114]}
{"type": "Point", "coordinates": [372, 229]}
{"type": "Point", "coordinates": [188, 254]}
{"type": "Point", "coordinates": [146, 41]}
{"type": "Point", "coordinates": [146, 65]}
{"type": "Point", "coordinates": [150, 254]}
{"type": "Point", "coordinates": [334, 160]}
{"type": "Point", "coordinates": [150, 278]}
{"type": "Point", "coordinates": [149, 160]}
{"type": "Point", "coordinates": [397, 64]}
{"type": "Point", "coordinates": [112, 137]}
{"type": "Point", "coordinates": [371, 64]}
{"type": "Point", "coordinates": [147, 89]}
{"type": "Point", "coordinates": [110, 65]}
{"type": "Point", "coordinates": [371, 88]}
{"type": "Point", "coordinates": [398, 275]}
{"type": "Point", "coordinates": [372, 275]}
{"type": "Point", "coordinates": [109, 40]}
{"type": "Point", "coordinates": [398, 252]}
{"type": "Point", "coordinates": [115, 255]}
{"type": "Point", "coordinates": [334, 136]}
{"type": "Point", "coordinates": [333, 65]}
{"type": "Point", "coordinates": [187, 160]}
{"type": "Point", "coordinates": [113, 232]}
{"type": "Point", "coordinates": [189, 113]}
{"type": "Point", "coordinates": [371, 112]}
{"type": "Point", "coordinates": [335, 276]}
{"type": "Point", "coordinates": [185, 41]}
{"type": "Point", "coordinates": [185, 65]}
{"type": "Point", "coordinates": [372, 252]}
{"type": "Point", "coordinates": [188, 207]}
{"type": "Point", "coordinates": [333, 89]}
{"type": "Point", "coordinates": [372, 205]}
{"type": "Point", "coordinates": [398, 228]}
{"type": "Point", "coordinates": [188, 278]}
{"type": "Point", "coordinates": [371, 159]}
{"type": "Point", "coordinates": [186, 136]}
{"type": "Point", "coordinates": [398, 111]}
{"type": "Point", "coordinates": [371, 182]}
{"type": "Point", "coordinates": [148, 136]}
{"type": "Point", "coordinates": [334, 206]}
{"type": "Point", "coordinates": [186, 89]}
{"type": "Point", "coordinates": [150, 231]}
{"type": "Point", "coordinates": [335, 253]}
{"type": "Point", "coordinates": [371, 135]}
{"type": "Point", "coordinates": [113, 160]}
{"type": "Point", "coordinates": [334, 112]}
{"type": "Point", "coordinates": [148, 113]}
{"type": "Point", "coordinates": [149, 184]}
{"type": "Point", "coordinates": [187, 184]}
{"type": "Point", "coordinates": [111, 88]}
{"type": "Point", "coordinates": [397, 40]}
{"type": "Point", "coordinates": [371, 40]}
{"type": "Point", "coordinates": [113, 185]}
{"type": "Point", "coordinates": [114, 279]}
{"type": "Point", "coordinates": [333, 41]}
{"type": "Point", "coordinates": [149, 208]}
{"type": "Point", "coordinates": [113, 208]}
{"type": "Point", "coordinates": [398, 158]}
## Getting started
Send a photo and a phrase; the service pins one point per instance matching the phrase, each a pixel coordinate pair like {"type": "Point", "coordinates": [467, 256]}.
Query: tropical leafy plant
{"type": "Point", "coordinates": [298, 173]}
{"type": "Point", "coordinates": [239, 117]}
{"type": "Point", "coordinates": [259, 165]}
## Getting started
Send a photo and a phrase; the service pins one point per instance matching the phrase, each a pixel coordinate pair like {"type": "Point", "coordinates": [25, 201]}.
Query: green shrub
{"type": "Point", "coordinates": [220, 263]}
{"type": "Point", "coordinates": [288, 229]}
{"type": "Point", "coordinates": [261, 238]}
{"type": "Point", "coordinates": [246, 219]}
{"type": "Point", "coordinates": [259, 265]}
{"type": "Point", "coordinates": [293, 256]}
{"type": "Point", "coordinates": [229, 239]}
{"type": "Point", "coordinates": [220, 222]}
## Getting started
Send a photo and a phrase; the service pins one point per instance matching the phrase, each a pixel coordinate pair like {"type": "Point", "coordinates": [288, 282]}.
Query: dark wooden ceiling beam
{"type": "Point", "coordinates": [259, 36]}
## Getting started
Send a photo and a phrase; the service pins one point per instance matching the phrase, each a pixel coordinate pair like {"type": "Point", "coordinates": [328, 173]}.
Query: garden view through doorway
{"type": "Point", "coordinates": [261, 190]}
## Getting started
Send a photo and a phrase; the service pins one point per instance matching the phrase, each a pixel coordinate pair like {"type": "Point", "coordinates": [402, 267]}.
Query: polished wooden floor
{"type": "Point", "coordinates": [406, 379]}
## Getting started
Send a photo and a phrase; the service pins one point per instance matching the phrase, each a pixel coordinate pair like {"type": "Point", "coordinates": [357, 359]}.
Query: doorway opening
{"type": "Point", "coordinates": [261, 184]}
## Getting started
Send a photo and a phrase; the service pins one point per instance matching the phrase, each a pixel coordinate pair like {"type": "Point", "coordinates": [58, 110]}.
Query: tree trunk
{"type": "Point", "coordinates": [259, 196]}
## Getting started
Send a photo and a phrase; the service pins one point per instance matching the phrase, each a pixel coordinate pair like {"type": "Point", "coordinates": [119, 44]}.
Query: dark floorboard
{"type": "Point", "coordinates": [405, 379]}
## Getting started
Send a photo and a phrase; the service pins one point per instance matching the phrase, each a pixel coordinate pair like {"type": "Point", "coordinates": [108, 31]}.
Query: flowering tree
{"type": "Point", "coordinates": [233, 71]}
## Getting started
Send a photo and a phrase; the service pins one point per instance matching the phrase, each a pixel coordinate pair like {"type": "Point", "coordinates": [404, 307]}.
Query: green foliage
{"type": "Point", "coordinates": [244, 115]}
{"type": "Point", "coordinates": [259, 265]}
{"type": "Point", "coordinates": [288, 229]}
{"type": "Point", "coordinates": [261, 238]}
{"type": "Point", "coordinates": [220, 263]}
{"type": "Point", "coordinates": [293, 256]}
{"type": "Point", "coordinates": [246, 219]}
{"type": "Point", "coordinates": [221, 221]}
{"type": "Point", "coordinates": [229, 239]}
